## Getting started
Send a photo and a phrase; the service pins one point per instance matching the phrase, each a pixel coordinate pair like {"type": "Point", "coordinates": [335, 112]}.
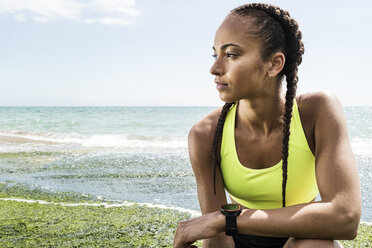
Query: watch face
{"type": "Point", "coordinates": [231, 207]}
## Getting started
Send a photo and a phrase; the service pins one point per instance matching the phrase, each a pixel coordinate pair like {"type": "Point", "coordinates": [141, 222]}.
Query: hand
{"type": "Point", "coordinates": [205, 226]}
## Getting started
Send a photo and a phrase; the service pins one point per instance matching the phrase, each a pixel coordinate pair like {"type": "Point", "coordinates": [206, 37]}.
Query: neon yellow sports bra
{"type": "Point", "coordinates": [262, 188]}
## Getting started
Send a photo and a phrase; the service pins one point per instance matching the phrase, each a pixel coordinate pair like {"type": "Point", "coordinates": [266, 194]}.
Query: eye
{"type": "Point", "coordinates": [231, 55]}
{"type": "Point", "coordinates": [214, 56]}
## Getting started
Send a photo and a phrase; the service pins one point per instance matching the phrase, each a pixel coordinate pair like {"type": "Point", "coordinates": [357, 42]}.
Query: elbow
{"type": "Point", "coordinates": [351, 227]}
{"type": "Point", "coordinates": [348, 219]}
{"type": "Point", "coordinates": [353, 220]}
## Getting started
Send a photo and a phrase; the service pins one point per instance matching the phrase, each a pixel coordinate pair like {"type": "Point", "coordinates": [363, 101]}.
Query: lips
{"type": "Point", "coordinates": [221, 86]}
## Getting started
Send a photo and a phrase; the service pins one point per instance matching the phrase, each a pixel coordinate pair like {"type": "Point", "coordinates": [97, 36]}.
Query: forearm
{"type": "Point", "coordinates": [312, 220]}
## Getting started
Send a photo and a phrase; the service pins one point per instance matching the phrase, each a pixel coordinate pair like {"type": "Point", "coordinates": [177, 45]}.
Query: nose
{"type": "Point", "coordinates": [217, 68]}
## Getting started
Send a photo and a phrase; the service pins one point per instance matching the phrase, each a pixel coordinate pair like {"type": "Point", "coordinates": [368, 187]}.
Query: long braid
{"type": "Point", "coordinates": [278, 32]}
{"type": "Point", "coordinates": [289, 96]}
{"type": "Point", "coordinates": [217, 139]}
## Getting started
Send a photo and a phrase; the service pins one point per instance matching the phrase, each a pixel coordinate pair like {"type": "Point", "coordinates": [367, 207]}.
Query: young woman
{"type": "Point", "coordinates": [273, 153]}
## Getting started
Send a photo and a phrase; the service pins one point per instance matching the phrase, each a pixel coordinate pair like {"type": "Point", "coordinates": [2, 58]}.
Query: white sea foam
{"type": "Point", "coordinates": [16, 141]}
{"type": "Point", "coordinates": [26, 140]}
{"type": "Point", "coordinates": [362, 146]}
{"type": "Point", "coordinates": [193, 213]}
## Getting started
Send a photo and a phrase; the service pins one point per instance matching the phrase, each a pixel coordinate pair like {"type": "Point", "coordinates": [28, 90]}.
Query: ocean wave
{"type": "Point", "coordinates": [362, 146]}
{"type": "Point", "coordinates": [121, 175]}
{"type": "Point", "coordinates": [16, 140]}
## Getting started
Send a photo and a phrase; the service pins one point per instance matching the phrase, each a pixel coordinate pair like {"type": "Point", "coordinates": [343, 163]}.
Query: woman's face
{"type": "Point", "coordinates": [239, 70]}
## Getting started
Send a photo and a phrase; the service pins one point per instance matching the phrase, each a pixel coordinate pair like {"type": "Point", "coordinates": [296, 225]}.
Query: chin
{"type": "Point", "coordinates": [228, 99]}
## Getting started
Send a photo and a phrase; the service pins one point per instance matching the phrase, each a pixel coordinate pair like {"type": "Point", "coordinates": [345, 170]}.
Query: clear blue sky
{"type": "Point", "coordinates": [146, 52]}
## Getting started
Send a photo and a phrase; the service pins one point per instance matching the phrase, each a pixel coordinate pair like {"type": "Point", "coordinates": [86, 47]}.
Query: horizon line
{"type": "Point", "coordinates": [108, 106]}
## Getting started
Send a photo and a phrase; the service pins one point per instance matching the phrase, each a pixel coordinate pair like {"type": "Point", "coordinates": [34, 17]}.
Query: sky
{"type": "Point", "coordinates": [158, 53]}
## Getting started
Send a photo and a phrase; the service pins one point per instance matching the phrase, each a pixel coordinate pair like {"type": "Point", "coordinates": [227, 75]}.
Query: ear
{"type": "Point", "coordinates": [277, 62]}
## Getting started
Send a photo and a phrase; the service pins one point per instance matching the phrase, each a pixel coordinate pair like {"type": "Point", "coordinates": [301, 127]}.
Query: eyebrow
{"type": "Point", "coordinates": [227, 45]}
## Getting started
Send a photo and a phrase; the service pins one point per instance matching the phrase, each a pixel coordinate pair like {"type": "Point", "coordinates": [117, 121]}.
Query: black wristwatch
{"type": "Point", "coordinates": [231, 211]}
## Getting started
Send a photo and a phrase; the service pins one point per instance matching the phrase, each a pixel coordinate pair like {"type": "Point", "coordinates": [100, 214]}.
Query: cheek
{"type": "Point", "coordinates": [251, 70]}
{"type": "Point", "coordinates": [239, 72]}
{"type": "Point", "coordinates": [243, 75]}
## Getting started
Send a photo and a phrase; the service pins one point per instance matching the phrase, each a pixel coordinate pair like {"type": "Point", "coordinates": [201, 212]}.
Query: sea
{"type": "Point", "coordinates": [136, 154]}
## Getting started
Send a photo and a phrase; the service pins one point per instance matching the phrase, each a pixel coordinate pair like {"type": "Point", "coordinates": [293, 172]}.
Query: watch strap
{"type": "Point", "coordinates": [231, 225]}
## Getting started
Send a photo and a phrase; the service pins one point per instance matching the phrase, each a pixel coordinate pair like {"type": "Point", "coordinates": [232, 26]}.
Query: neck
{"type": "Point", "coordinates": [261, 115]}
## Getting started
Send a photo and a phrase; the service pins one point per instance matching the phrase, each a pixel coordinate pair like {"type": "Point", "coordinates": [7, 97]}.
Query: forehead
{"type": "Point", "coordinates": [237, 30]}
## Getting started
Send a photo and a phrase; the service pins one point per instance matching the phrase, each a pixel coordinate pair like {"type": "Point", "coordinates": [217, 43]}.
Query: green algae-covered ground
{"type": "Point", "coordinates": [34, 225]}
{"type": "Point", "coordinates": [25, 224]}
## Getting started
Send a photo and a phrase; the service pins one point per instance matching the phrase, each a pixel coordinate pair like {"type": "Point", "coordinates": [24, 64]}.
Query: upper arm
{"type": "Point", "coordinates": [336, 169]}
{"type": "Point", "coordinates": [200, 150]}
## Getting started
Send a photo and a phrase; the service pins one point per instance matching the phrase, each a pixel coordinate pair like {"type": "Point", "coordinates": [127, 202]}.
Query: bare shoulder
{"type": "Point", "coordinates": [323, 120]}
{"type": "Point", "coordinates": [320, 103]}
{"type": "Point", "coordinates": [200, 143]}
{"type": "Point", "coordinates": [319, 112]}
{"type": "Point", "coordinates": [203, 130]}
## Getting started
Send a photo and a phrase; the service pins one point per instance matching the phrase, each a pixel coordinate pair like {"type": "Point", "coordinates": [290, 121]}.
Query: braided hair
{"type": "Point", "coordinates": [276, 31]}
